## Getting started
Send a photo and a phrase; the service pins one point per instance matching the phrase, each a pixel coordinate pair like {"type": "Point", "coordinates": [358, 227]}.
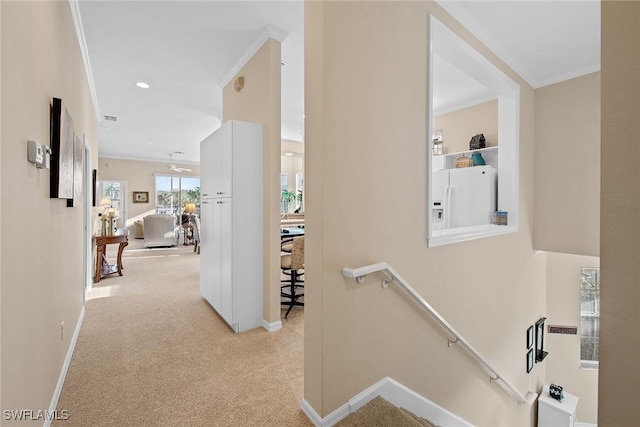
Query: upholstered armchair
{"type": "Point", "coordinates": [160, 230]}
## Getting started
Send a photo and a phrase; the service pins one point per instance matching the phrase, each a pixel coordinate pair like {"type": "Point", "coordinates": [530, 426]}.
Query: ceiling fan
{"type": "Point", "coordinates": [172, 166]}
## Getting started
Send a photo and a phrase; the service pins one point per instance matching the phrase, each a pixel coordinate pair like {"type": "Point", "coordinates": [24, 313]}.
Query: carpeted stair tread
{"type": "Point", "coordinates": [420, 420]}
{"type": "Point", "coordinates": [380, 413]}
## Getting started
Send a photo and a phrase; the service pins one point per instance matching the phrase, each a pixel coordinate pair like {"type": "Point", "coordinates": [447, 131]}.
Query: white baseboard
{"type": "Point", "coordinates": [578, 424]}
{"type": "Point", "coordinates": [311, 413]}
{"type": "Point", "coordinates": [65, 368]}
{"type": "Point", "coordinates": [273, 326]}
{"type": "Point", "coordinates": [395, 393]}
{"type": "Point", "coordinates": [404, 397]}
{"type": "Point", "coordinates": [331, 419]}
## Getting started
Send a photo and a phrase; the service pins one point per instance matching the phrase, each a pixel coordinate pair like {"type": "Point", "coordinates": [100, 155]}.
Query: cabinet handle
{"type": "Point", "coordinates": [205, 194]}
{"type": "Point", "coordinates": [204, 203]}
{"type": "Point", "coordinates": [220, 192]}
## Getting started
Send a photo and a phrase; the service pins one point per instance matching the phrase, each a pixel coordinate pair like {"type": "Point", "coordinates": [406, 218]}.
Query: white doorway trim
{"type": "Point", "coordinates": [87, 220]}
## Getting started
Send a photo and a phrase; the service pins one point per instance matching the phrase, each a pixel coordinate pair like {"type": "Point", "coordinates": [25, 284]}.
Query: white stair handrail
{"type": "Point", "coordinates": [361, 272]}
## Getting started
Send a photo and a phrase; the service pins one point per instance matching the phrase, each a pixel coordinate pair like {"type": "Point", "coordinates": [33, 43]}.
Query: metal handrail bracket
{"type": "Point", "coordinates": [361, 273]}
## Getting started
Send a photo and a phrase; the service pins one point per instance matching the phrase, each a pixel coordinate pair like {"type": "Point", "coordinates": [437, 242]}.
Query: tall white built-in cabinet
{"type": "Point", "coordinates": [231, 212]}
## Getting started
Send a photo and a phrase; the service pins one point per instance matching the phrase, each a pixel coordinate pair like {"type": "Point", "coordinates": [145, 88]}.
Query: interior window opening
{"type": "Point", "coordinates": [473, 150]}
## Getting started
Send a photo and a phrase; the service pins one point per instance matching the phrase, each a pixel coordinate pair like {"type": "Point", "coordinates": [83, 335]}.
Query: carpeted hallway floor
{"type": "Point", "coordinates": [152, 352]}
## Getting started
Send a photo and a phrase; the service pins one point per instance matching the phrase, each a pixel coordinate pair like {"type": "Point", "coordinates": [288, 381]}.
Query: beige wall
{"type": "Point", "coordinates": [313, 206]}
{"type": "Point", "coordinates": [139, 176]}
{"type": "Point", "coordinates": [366, 61]}
{"type": "Point", "coordinates": [563, 308]}
{"type": "Point", "coordinates": [619, 375]}
{"type": "Point", "coordinates": [1, 140]}
{"type": "Point", "coordinates": [259, 102]}
{"type": "Point", "coordinates": [458, 127]}
{"type": "Point", "coordinates": [567, 159]}
{"type": "Point", "coordinates": [41, 252]}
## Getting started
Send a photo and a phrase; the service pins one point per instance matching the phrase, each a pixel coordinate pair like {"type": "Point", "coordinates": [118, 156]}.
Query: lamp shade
{"type": "Point", "coordinates": [112, 213]}
{"type": "Point", "coordinates": [104, 205]}
{"type": "Point", "coordinates": [189, 207]}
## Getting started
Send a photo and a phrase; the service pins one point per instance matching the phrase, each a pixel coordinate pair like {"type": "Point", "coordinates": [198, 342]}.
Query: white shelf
{"type": "Point", "coordinates": [489, 154]}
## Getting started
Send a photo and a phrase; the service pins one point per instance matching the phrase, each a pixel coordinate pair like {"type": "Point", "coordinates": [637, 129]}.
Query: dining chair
{"type": "Point", "coordinates": [292, 265]}
{"type": "Point", "coordinates": [286, 245]}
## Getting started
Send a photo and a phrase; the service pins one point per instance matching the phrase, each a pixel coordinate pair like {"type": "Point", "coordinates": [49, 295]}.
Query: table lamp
{"type": "Point", "coordinates": [104, 205]}
{"type": "Point", "coordinates": [189, 208]}
{"type": "Point", "coordinates": [112, 216]}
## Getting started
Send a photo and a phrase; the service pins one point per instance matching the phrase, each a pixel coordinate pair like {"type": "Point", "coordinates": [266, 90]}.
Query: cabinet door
{"type": "Point", "coordinates": [209, 254]}
{"type": "Point", "coordinates": [208, 162]}
{"type": "Point", "coordinates": [222, 156]}
{"type": "Point", "coordinates": [223, 235]}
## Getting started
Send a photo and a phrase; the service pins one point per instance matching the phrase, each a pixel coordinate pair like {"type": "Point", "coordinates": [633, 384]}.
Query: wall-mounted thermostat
{"type": "Point", "coordinates": [38, 154]}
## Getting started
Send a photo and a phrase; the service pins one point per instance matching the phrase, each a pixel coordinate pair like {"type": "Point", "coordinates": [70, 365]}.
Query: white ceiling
{"type": "Point", "coordinates": [187, 50]}
{"type": "Point", "coordinates": [545, 42]}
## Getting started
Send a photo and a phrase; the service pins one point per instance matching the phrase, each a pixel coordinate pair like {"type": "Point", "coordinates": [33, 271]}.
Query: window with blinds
{"type": "Point", "coordinates": [589, 316]}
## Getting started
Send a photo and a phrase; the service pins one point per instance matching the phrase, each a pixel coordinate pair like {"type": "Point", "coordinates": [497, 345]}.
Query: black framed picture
{"type": "Point", "coordinates": [529, 360]}
{"type": "Point", "coordinates": [94, 179]}
{"type": "Point", "coordinates": [140, 197]}
{"type": "Point", "coordinates": [540, 353]}
{"type": "Point", "coordinates": [61, 182]}
{"type": "Point", "coordinates": [530, 337]}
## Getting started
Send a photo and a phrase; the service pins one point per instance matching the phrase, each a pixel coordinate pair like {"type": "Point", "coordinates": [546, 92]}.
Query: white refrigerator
{"type": "Point", "coordinates": [463, 197]}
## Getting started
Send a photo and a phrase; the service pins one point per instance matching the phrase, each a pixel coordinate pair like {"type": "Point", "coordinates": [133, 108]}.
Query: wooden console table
{"type": "Point", "coordinates": [121, 237]}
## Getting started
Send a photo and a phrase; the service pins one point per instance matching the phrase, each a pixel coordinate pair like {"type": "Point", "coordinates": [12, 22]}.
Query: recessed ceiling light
{"type": "Point", "coordinates": [288, 154]}
{"type": "Point", "coordinates": [143, 85]}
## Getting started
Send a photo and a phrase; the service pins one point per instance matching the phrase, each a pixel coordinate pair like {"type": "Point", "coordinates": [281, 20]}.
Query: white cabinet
{"type": "Point", "coordinates": [556, 413]}
{"type": "Point", "coordinates": [231, 235]}
{"type": "Point", "coordinates": [207, 174]}
{"type": "Point", "coordinates": [216, 177]}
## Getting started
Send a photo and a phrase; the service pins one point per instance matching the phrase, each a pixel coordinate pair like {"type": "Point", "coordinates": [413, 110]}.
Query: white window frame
{"type": "Point", "coordinates": [180, 204]}
{"type": "Point", "coordinates": [120, 202]}
{"type": "Point", "coordinates": [590, 364]}
{"type": "Point", "coordinates": [284, 185]}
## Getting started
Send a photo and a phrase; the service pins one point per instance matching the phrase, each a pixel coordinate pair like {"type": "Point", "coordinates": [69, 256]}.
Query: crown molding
{"type": "Point", "coordinates": [268, 33]}
{"type": "Point", "coordinates": [82, 42]}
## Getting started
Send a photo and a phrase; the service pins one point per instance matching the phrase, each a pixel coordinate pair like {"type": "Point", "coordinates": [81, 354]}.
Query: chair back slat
{"type": "Point", "coordinates": [297, 254]}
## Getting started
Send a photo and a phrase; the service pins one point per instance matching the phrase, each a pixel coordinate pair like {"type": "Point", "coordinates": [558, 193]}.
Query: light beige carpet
{"type": "Point", "coordinates": [152, 352]}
